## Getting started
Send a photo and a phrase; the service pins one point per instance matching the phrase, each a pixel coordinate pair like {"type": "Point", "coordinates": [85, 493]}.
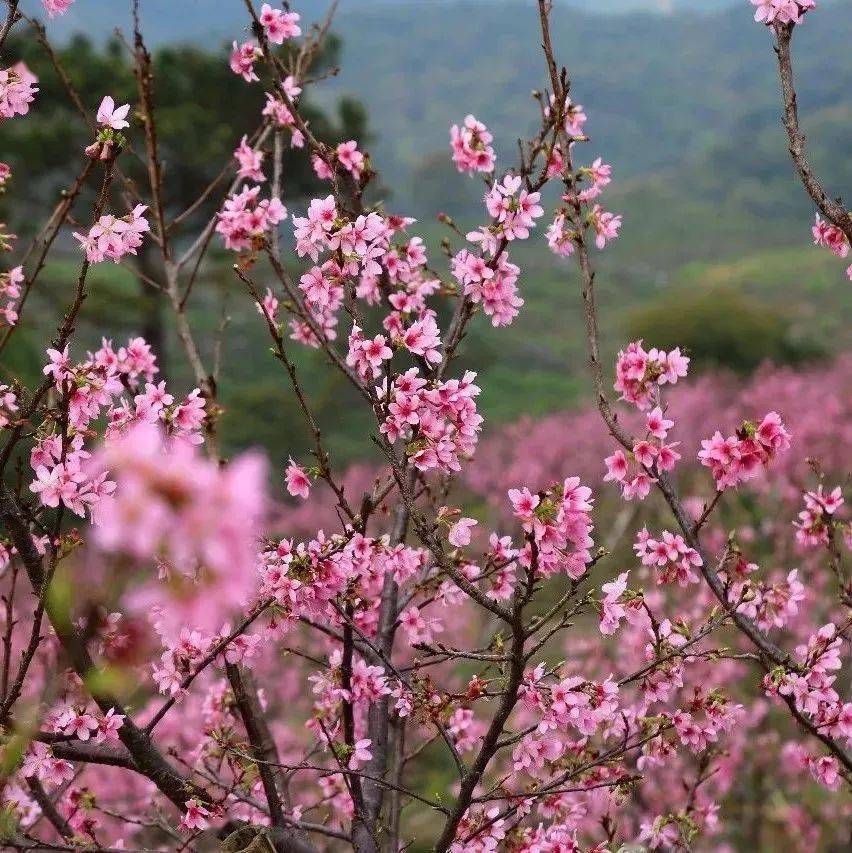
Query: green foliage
{"type": "Point", "coordinates": [720, 327]}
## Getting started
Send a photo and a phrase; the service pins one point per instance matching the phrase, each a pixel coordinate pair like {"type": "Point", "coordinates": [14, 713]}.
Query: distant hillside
{"type": "Point", "coordinates": [202, 20]}
{"type": "Point", "coordinates": [659, 90]}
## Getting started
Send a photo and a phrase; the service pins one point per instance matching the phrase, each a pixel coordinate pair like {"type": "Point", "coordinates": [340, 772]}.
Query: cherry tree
{"type": "Point", "coordinates": [201, 652]}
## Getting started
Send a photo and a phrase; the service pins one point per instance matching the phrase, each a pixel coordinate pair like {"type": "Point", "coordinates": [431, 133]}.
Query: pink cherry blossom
{"type": "Point", "coordinates": [279, 25]}
{"type": "Point", "coordinates": [471, 146]}
{"type": "Point", "coordinates": [17, 90]}
{"type": "Point", "coordinates": [243, 58]}
{"type": "Point", "coordinates": [459, 533]}
{"type": "Point", "coordinates": [109, 115]}
{"type": "Point", "coordinates": [195, 817]}
{"type": "Point", "coordinates": [298, 482]}
{"type": "Point", "coordinates": [57, 7]}
{"type": "Point", "coordinates": [250, 161]}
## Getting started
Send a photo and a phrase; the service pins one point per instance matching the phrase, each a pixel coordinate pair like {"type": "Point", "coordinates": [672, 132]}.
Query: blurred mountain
{"type": "Point", "coordinates": [199, 20]}
{"type": "Point", "coordinates": [685, 105]}
{"type": "Point", "coordinates": [659, 90]}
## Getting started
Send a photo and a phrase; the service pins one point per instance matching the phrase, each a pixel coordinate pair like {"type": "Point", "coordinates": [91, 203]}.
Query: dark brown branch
{"type": "Point", "coordinates": [48, 809]}
{"type": "Point", "coordinates": [12, 17]}
{"type": "Point", "coordinates": [92, 753]}
{"type": "Point", "coordinates": [833, 210]}
{"type": "Point", "coordinates": [263, 749]}
{"type": "Point", "coordinates": [490, 740]}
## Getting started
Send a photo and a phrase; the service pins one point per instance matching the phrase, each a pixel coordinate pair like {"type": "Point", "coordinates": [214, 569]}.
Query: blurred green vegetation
{"type": "Point", "coordinates": [720, 327]}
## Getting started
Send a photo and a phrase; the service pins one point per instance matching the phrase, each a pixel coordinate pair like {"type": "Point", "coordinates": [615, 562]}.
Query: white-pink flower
{"type": "Point", "coordinates": [111, 116]}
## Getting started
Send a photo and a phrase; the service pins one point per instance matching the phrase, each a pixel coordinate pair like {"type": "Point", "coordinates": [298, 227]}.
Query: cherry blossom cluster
{"type": "Point", "coordinates": [249, 161]}
{"type": "Point", "coordinates": [306, 578]}
{"type": "Point", "coordinates": [633, 470]}
{"type": "Point", "coordinates": [278, 111]}
{"type": "Point", "coordinates": [245, 219]}
{"type": "Point", "coordinates": [76, 723]}
{"type": "Point", "coordinates": [670, 556]}
{"type": "Point", "coordinates": [772, 602]}
{"type": "Point", "coordinates": [17, 90]}
{"type": "Point", "coordinates": [639, 374]}
{"type": "Point", "coordinates": [771, 12]}
{"type": "Point", "coordinates": [366, 685]}
{"type": "Point", "coordinates": [615, 605]}
{"type": "Point", "coordinates": [811, 689]}
{"type": "Point", "coordinates": [243, 58]}
{"type": "Point", "coordinates": [56, 7]}
{"type": "Point", "coordinates": [561, 705]}
{"type": "Point", "coordinates": [363, 249]}
{"type": "Point", "coordinates": [183, 652]}
{"type": "Point", "coordinates": [471, 146]}
{"type": "Point", "coordinates": [574, 117]}
{"type": "Point", "coordinates": [154, 511]}
{"type": "Point", "coordinates": [824, 769]}
{"type": "Point", "coordinates": [719, 715]}
{"type": "Point", "coordinates": [802, 395]}
{"type": "Point", "coordinates": [491, 283]}
{"type": "Point", "coordinates": [832, 238]}
{"type": "Point", "coordinates": [10, 290]}
{"type": "Point", "coordinates": [111, 237]}
{"type": "Point", "coordinates": [514, 208]}
{"type": "Point", "coordinates": [345, 154]}
{"type": "Point", "coordinates": [40, 763]}
{"type": "Point", "coordinates": [560, 236]}
{"type": "Point", "coordinates": [186, 648]}
{"type": "Point", "coordinates": [583, 185]}
{"type": "Point", "coordinates": [489, 278]}
{"type": "Point", "coordinates": [816, 519]}
{"type": "Point", "coordinates": [741, 457]}
{"type": "Point", "coordinates": [557, 524]}
{"type": "Point", "coordinates": [278, 24]}
{"type": "Point", "coordinates": [103, 386]}
{"type": "Point", "coordinates": [437, 420]}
